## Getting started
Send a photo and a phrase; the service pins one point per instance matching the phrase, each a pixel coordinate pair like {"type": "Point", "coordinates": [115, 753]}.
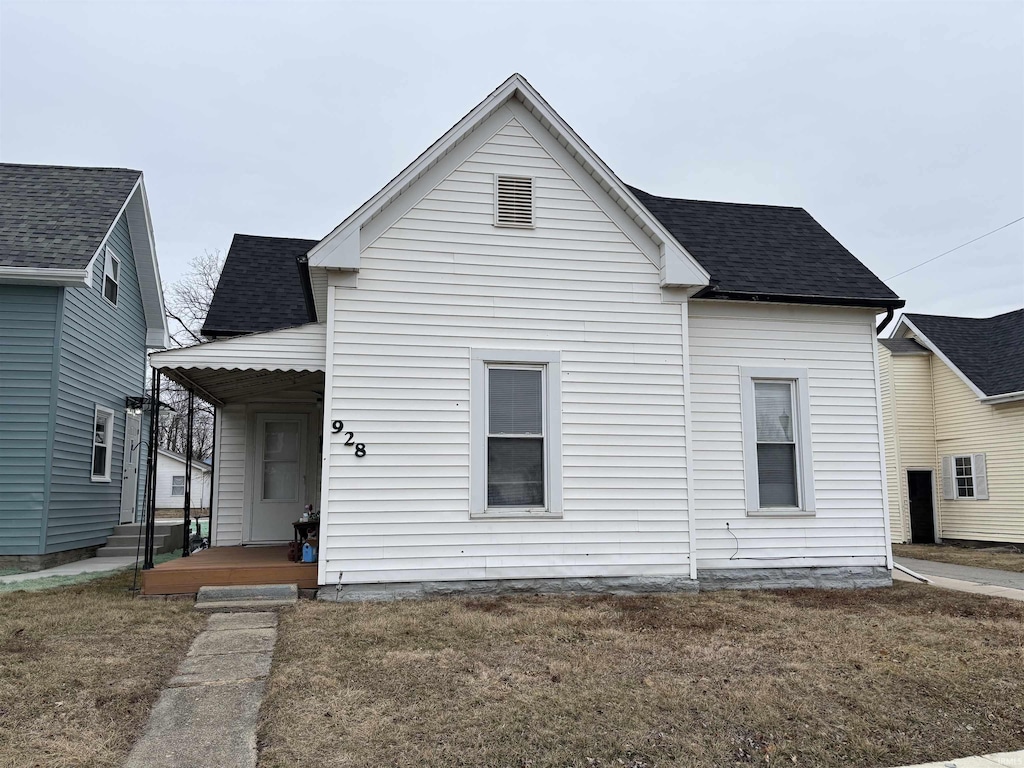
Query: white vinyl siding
{"type": "Point", "coordinates": [835, 347]}
{"type": "Point", "coordinates": [444, 280]}
{"type": "Point", "coordinates": [229, 471]}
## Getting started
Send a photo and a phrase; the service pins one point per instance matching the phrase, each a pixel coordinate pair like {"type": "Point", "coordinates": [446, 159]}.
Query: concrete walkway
{"type": "Point", "coordinates": [979, 581]}
{"type": "Point", "coordinates": [999, 760]}
{"type": "Point", "coordinates": [206, 717]}
{"type": "Point", "coordinates": [90, 565]}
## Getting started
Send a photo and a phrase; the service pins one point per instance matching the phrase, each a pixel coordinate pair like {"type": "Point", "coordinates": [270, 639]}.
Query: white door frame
{"type": "Point", "coordinates": [254, 471]}
{"type": "Point", "coordinates": [130, 453]}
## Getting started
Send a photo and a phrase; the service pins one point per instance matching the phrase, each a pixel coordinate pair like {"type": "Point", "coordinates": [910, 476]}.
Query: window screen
{"type": "Point", "coordinates": [515, 437]}
{"type": "Point", "coordinates": [177, 485]}
{"type": "Point", "coordinates": [776, 445]}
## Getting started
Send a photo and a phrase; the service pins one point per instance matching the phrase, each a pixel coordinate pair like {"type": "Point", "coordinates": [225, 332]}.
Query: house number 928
{"type": "Point", "coordinates": [337, 427]}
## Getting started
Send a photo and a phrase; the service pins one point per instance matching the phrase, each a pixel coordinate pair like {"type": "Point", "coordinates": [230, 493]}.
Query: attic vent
{"type": "Point", "coordinates": [514, 201]}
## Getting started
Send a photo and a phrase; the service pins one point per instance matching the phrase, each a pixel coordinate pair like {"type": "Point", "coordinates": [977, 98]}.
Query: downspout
{"type": "Point", "coordinates": [691, 512]}
{"type": "Point", "coordinates": [885, 321]}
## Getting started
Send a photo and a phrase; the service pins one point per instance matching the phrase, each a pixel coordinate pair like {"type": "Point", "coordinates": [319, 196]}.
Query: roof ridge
{"type": "Point", "coordinates": [962, 317]}
{"type": "Point", "coordinates": [71, 167]}
{"type": "Point", "coordinates": [275, 237]}
{"type": "Point", "coordinates": [716, 202]}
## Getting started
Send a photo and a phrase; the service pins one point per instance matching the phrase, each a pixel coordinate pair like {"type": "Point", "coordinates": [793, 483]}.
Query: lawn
{"type": "Point", "coordinates": [807, 678]}
{"type": "Point", "coordinates": [949, 553]}
{"type": "Point", "coordinates": [80, 668]}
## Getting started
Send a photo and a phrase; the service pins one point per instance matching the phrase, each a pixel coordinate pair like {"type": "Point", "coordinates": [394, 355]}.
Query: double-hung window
{"type": "Point", "coordinates": [111, 276]}
{"type": "Point", "coordinates": [177, 485]}
{"type": "Point", "coordinates": [965, 477]}
{"type": "Point", "coordinates": [516, 441]}
{"type": "Point", "coordinates": [776, 436]}
{"type": "Point", "coordinates": [102, 443]}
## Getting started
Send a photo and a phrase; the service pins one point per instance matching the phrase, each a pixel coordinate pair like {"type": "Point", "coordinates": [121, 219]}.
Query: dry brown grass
{"type": "Point", "coordinates": [808, 678]}
{"type": "Point", "coordinates": [950, 553]}
{"type": "Point", "coordinates": [80, 668]}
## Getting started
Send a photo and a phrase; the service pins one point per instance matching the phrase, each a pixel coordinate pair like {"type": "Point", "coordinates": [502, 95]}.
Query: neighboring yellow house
{"type": "Point", "coordinates": [953, 415]}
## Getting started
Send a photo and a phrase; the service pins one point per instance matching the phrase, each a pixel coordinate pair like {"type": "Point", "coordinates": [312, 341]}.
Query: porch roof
{"type": "Point", "coordinates": [239, 367]}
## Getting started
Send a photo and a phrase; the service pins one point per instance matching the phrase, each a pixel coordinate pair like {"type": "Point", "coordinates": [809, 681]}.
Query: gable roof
{"type": "Point", "coordinates": [904, 346]}
{"type": "Point", "coordinates": [263, 286]}
{"type": "Point", "coordinates": [56, 217]}
{"type": "Point", "coordinates": [342, 247]}
{"type": "Point", "coordinates": [769, 252]}
{"type": "Point", "coordinates": [203, 465]}
{"type": "Point", "coordinates": [988, 352]}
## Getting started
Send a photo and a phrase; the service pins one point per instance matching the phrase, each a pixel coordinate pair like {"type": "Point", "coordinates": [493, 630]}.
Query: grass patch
{"type": "Point", "coordinates": [950, 553]}
{"type": "Point", "coordinates": [80, 668]}
{"type": "Point", "coordinates": [801, 677]}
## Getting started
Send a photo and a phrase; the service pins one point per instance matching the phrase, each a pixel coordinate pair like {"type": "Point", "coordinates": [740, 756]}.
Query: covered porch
{"type": "Point", "coordinates": [267, 390]}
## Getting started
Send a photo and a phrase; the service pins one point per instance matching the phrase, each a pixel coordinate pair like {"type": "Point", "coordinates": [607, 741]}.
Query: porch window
{"type": "Point", "coordinates": [111, 276]}
{"type": "Point", "coordinates": [102, 442]}
{"type": "Point", "coordinates": [776, 430]}
{"type": "Point", "coordinates": [516, 440]}
{"type": "Point", "coordinates": [177, 485]}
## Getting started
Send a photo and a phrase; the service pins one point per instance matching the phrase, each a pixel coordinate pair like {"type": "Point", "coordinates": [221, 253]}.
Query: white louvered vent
{"type": "Point", "coordinates": [514, 201]}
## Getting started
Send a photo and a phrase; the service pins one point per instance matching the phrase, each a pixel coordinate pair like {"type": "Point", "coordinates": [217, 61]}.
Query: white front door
{"type": "Point", "coordinates": [130, 467]}
{"type": "Point", "coordinates": [279, 476]}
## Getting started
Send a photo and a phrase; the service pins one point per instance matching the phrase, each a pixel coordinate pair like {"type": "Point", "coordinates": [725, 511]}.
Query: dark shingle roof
{"type": "Point", "coordinates": [55, 217]}
{"type": "Point", "coordinates": [904, 347]}
{"type": "Point", "coordinates": [768, 251]}
{"type": "Point", "coordinates": [989, 351]}
{"type": "Point", "coordinates": [262, 287]}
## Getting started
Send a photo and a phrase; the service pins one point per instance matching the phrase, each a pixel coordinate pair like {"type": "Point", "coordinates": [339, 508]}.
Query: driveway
{"type": "Point", "coordinates": [988, 576]}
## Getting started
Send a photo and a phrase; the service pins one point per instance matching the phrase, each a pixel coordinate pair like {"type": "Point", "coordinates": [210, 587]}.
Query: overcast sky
{"type": "Point", "coordinates": [898, 125]}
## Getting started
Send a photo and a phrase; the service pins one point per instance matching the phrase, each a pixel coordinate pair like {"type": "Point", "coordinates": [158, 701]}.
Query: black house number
{"type": "Point", "coordinates": [337, 427]}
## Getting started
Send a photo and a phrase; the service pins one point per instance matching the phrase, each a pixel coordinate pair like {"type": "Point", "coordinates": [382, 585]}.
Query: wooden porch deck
{"type": "Point", "coordinates": [227, 567]}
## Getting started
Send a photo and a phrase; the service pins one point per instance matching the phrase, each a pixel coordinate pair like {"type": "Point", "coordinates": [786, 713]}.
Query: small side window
{"type": "Point", "coordinates": [177, 485]}
{"type": "Point", "coordinates": [102, 443]}
{"type": "Point", "coordinates": [964, 477]}
{"type": "Point", "coordinates": [111, 276]}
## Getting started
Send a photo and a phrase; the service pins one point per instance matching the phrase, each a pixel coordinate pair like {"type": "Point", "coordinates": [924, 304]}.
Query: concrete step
{"type": "Point", "coordinates": [257, 597]}
{"type": "Point", "coordinates": [119, 552]}
{"type": "Point", "coordinates": [165, 528]}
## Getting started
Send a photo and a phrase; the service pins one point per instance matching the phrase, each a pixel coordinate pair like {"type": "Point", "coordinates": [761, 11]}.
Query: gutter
{"type": "Point", "coordinates": [44, 276]}
{"type": "Point", "coordinates": [827, 301]}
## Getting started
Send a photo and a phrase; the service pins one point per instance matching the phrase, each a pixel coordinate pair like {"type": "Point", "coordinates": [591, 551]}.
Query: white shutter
{"type": "Point", "coordinates": [948, 480]}
{"type": "Point", "coordinates": [980, 476]}
{"type": "Point", "coordinates": [513, 201]}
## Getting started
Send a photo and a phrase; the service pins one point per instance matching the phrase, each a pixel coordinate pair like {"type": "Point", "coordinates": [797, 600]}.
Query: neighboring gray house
{"type": "Point", "coordinates": [80, 305]}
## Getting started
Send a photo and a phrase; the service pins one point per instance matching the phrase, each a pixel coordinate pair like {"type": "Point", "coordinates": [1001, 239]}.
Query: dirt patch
{"type": "Point", "coordinates": [801, 677]}
{"type": "Point", "coordinates": [80, 668]}
{"type": "Point", "coordinates": [974, 557]}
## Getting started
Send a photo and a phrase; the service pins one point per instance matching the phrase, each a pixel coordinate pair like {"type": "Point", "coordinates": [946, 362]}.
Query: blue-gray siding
{"type": "Point", "coordinates": [102, 361]}
{"type": "Point", "coordinates": [29, 319]}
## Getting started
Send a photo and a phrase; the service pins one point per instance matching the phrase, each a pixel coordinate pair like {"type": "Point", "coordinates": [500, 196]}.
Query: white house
{"type": "Point", "coordinates": [170, 482]}
{"type": "Point", "coordinates": [509, 369]}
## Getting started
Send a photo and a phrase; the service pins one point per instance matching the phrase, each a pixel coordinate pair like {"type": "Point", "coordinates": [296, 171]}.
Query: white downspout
{"type": "Point", "coordinates": [691, 512]}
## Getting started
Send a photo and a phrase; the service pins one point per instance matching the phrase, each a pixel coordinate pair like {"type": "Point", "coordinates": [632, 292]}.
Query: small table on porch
{"type": "Point", "coordinates": [302, 530]}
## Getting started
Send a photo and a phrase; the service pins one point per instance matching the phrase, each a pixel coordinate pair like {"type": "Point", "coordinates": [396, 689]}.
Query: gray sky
{"type": "Point", "coordinates": [899, 126]}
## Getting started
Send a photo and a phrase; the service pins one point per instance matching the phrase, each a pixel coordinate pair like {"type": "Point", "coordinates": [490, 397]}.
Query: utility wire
{"type": "Point", "coordinates": [933, 258]}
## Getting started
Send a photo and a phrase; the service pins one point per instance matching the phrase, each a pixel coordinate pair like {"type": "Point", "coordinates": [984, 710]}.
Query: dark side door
{"type": "Point", "coordinates": [922, 509]}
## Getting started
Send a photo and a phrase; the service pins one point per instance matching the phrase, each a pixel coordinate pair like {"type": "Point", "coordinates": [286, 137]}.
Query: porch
{"type": "Point", "coordinates": [228, 567]}
{"type": "Point", "coordinates": [267, 391]}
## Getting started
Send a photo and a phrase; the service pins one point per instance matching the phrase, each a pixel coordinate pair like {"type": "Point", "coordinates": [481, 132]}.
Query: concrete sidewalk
{"type": "Point", "coordinates": [206, 717]}
{"type": "Point", "coordinates": [998, 760]}
{"type": "Point", "coordinates": [979, 581]}
{"type": "Point", "coordinates": [90, 565]}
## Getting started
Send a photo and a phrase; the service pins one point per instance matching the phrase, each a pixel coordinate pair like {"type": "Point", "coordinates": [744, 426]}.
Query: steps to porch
{"type": "Point", "coordinates": [128, 539]}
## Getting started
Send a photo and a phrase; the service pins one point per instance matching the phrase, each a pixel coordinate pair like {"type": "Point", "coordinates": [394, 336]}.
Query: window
{"type": "Point", "coordinates": [111, 276]}
{"type": "Point", "coordinates": [513, 201]}
{"type": "Point", "coordinates": [102, 442]}
{"type": "Point", "coordinates": [177, 485]}
{"type": "Point", "coordinates": [965, 477]}
{"type": "Point", "coordinates": [776, 436]}
{"type": "Point", "coordinates": [516, 434]}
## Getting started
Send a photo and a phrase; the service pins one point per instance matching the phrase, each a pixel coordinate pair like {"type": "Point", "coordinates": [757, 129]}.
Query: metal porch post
{"type": "Point", "coordinates": [188, 474]}
{"type": "Point", "coordinates": [154, 432]}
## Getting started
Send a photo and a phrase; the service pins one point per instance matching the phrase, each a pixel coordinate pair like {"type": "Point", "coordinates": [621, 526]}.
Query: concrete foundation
{"type": "Point", "coordinates": [627, 585]}
{"type": "Point", "coordinates": [852, 577]}
{"type": "Point", "coordinates": [51, 560]}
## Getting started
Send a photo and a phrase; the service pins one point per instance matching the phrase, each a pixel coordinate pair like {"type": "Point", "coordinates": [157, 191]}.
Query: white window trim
{"type": "Point", "coordinates": [801, 432]}
{"type": "Point", "coordinates": [956, 485]}
{"type": "Point", "coordinates": [109, 414]}
{"type": "Point", "coordinates": [107, 272]}
{"type": "Point", "coordinates": [173, 478]}
{"type": "Point", "coordinates": [480, 359]}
